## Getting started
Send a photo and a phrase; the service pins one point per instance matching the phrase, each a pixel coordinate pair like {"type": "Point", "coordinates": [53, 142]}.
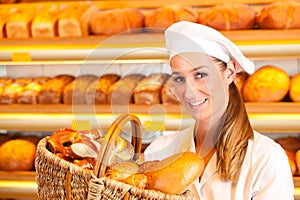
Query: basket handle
{"type": "Point", "coordinates": [111, 138]}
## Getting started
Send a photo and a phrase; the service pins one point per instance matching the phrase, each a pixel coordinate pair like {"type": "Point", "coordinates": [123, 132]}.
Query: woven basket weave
{"type": "Point", "coordinates": [60, 179]}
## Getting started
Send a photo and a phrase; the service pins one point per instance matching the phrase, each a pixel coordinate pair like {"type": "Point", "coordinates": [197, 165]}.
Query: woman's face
{"type": "Point", "coordinates": [202, 84]}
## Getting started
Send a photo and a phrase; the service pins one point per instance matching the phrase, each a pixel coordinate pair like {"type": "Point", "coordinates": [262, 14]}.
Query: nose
{"type": "Point", "coordinates": [190, 91]}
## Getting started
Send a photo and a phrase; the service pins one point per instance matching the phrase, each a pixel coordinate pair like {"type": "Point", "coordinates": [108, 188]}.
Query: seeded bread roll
{"type": "Point", "coordinates": [52, 90]}
{"type": "Point", "coordinates": [122, 91]}
{"type": "Point", "coordinates": [74, 92]}
{"type": "Point", "coordinates": [148, 91]}
{"type": "Point", "coordinates": [228, 16]}
{"type": "Point", "coordinates": [115, 21]}
{"type": "Point", "coordinates": [279, 15]}
{"type": "Point", "coordinates": [98, 91]}
{"type": "Point", "coordinates": [165, 16]}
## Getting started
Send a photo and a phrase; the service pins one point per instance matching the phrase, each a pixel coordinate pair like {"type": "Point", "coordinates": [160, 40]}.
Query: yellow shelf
{"type": "Point", "coordinates": [283, 117]}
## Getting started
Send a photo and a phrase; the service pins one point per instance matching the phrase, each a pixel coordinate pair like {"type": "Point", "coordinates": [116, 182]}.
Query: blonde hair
{"type": "Point", "coordinates": [232, 143]}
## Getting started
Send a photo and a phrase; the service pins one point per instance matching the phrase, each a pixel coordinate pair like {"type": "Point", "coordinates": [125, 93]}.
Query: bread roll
{"type": "Point", "coordinates": [122, 91]}
{"type": "Point", "coordinates": [294, 91]}
{"type": "Point", "coordinates": [115, 21]}
{"type": "Point", "coordinates": [292, 160]}
{"type": "Point", "coordinates": [166, 16]}
{"type": "Point", "coordinates": [175, 174]}
{"type": "Point", "coordinates": [74, 92]}
{"type": "Point", "coordinates": [267, 84]}
{"type": "Point", "coordinates": [279, 15]}
{"type": "Point", "coordinates": [234, 16]}
{"type": "Point", "coordinates": [52, 90]}
{"type": "Point", "coordinates": [74, 20]}
{"type": "Point", "coordinates": [148, 91]}
{"type": "Point", "coordinates": [98, 91]}
{"type": "Point", "coordinates": [17, 155]}
{"type": "Point", "coordinates": [168, 95]}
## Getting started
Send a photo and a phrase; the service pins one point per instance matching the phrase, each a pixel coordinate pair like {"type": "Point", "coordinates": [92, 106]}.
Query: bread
{"type": "Point", "coordinates": [294, 92]}
{"type": "Point", "coordinates": [267, 84]}
{"type": "Point", "coordinates": [168, 95]}
{"type": "Point", "coordinates": [148, 91]}
{"type": "Point", "coordinates": [290, 143]}
{"type": "Point", "coordinates": [279, 15]}
{"type": "Point", "coordinates": [122, 91]}
{"type": "Point", "coordinates": [17, 155]}
{"type": "Point", "coordinates": [113, 21]}
{"type": "Point", "coordinates": [44, 25]}
{"type": "Point", "coordinates": [52, 90]}
{"type": "Point", "coordinates": [18, 24]}
{"type": "Point", "coordinates": [240, 80]}
{"type": "Point", "coordinates": [165, 16]}
{"type": "Point", "coordinates": [175, 174]}
{"type": "Point", "coordinates": [11, 91]}
{"type": "Point", "coordinates": [74, 92]}
{"type": "Point", "coordinates": [74, 20]}
{"type": "Point", "coordinates": [98, 91]}
{"type": "Point", "coordinates": [292, 160]}
{"type": "Point", "coordinates": [234, 16]}
{"type": "Point", "coordinates": [30, 92]}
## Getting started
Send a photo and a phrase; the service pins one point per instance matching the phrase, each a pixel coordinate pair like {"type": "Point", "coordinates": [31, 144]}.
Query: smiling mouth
{"type": "Point", "coordinates": [197, 103]}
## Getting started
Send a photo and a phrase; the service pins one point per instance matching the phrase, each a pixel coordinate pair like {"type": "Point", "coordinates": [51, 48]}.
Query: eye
{"type": "Point", "coordinates": [178, 79]}
{"type": "Point", "coordinates": [200, 75]}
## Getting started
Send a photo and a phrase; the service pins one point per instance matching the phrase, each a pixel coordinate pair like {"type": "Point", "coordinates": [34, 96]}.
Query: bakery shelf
{"type": "Point", "coordinates": [256, 44]}
{"type": "Point", "coordinates": [282, 117]}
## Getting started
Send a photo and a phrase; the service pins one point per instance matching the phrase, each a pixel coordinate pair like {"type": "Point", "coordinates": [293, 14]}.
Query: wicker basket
{"type": "Point", "coordinates": [60, 179]}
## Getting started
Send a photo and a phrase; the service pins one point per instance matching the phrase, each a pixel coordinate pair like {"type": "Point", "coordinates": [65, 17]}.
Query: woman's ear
{"type": "Point", "coordinates": [230, 71]}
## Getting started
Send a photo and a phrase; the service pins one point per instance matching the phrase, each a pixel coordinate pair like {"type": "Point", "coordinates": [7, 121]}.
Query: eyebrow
{"type": "Point", "coordinates": [193, 70]}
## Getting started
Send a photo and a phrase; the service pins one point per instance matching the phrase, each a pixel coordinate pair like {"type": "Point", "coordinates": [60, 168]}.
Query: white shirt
{"type": "Point", "coordinates": [265, 173]}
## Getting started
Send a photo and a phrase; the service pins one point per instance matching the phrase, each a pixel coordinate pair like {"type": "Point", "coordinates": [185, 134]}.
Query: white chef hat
{"type": "Point", "coordinates": [182, 37]}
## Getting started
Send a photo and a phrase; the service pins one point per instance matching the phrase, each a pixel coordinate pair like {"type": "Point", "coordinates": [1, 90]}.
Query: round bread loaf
{"type": "Point", "coordinates": [115, 21]}
{"type": "Point", "coordinates": [235, 16]}
{"type": "Point", "coordinates": [164, 17]}
{"type": "Point", "coordinates": [294, 92]}
{"type": "Point", "coordinates": [279, 15]}
{"type": "Point", "coordinates": [267, 84]}
{"type": "Point", "coordinates": [240, 80]}
{"type": "Point", "coordinates": [17, 155]}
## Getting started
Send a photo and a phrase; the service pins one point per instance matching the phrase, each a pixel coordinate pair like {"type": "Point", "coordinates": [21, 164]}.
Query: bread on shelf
{"type": "Point", "coordinates": [168, 95]}
{"type": "Point", "coordinates": [52, 90]}
{"type": "Point", "coordinates": [235, 16]}
{"type": "Point", "coordinates": [279, 15]}
{"type": "Point", "coordinates": [114, 21]}
{"type": "Point", "coordinates": [163, 17]}
{"type": "Point", "coordinates": [121, 92]}
{"type": "Point", "coordinates": [98, 91]}
{"type": "Point", "coordinates": [74, 92]}
{"type": "Point", "coordinates": [148, 91]}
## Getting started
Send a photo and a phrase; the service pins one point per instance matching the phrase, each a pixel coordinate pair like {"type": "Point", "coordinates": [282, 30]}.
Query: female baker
{"type": "Point", "coordinates": [240, 164]}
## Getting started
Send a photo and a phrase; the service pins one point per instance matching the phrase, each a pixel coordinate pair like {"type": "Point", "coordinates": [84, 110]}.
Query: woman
{"type": "Point", "coordinates": [239, 162]}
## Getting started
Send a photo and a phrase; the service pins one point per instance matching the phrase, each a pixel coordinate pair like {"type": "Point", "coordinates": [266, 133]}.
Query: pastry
{"type": "Point", "coordinates": [294, 91]}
